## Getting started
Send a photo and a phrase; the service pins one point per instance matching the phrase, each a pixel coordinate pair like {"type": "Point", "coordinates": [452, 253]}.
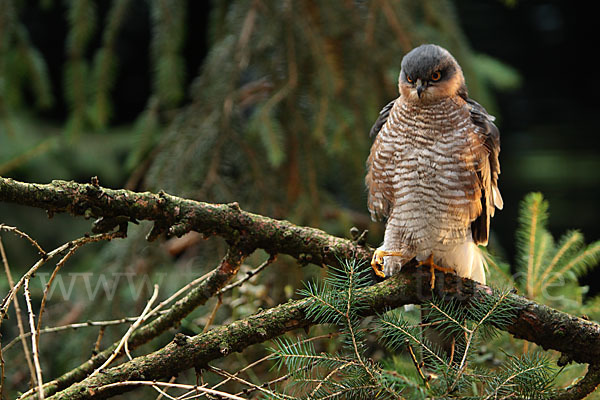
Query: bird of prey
{"type": "Point", "coordinates": [433, 170]}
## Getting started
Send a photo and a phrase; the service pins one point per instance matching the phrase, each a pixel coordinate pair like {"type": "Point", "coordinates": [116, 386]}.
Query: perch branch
{"type": "Point", "coordinates": [576, 338]}
{"type": "Point", "coordinates": [176, 216]}
{"type": "Point", "coordinates": [409, 287]}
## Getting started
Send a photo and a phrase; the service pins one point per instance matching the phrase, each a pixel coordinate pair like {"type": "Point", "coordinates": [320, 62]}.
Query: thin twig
{"type": "Point", "coordinates": [416, 363]}
{"type": "Point", "coordinates": [172, 385]}
{"type": "Point", "coordinates": [452, 350]}
{"type": "Point", "coordinates": [163, 393]}
{"type": "Point", "coordinates": [125, 338]}
{"type": "Point", "coordinates": [213, 313]}
{"type": "Point", "coordinates": [46, 257]}
{"type": "Point", "coordinates": [99, 339]}
{"type": "Point", "coordinates": [269, 356]}
{"type": "Point", "coordinates": [24, 236]}
{"type": "Point", "coordinates": [76, 325]}
{"type": "Point", "coordinates": [249, 274]}
{"type": "Point", "coordinates": [339, 394]}
{"type": "Point", "coordinates": [207, 287]}
{"type": "Point", "coordinates": [494, 394]}
{"type": "Point", "coordinates": [143, 317]}
{"type": "Point", "coordinates": [469, 334]}
{"type": "Point", "coordinates": [328, 376]}
{"type": "Point", "coordinates": [59, 265]}
{"type": "Point", "coordinates": [20, 325]}
{"type": "Point", "coordinates": [34, 343]}
{"type": "Point", "coordinates": [449, 317]}
{"type": "Point", "coordinates": [178, 293]}
{"type": "Point", "coordinates": [417, 341]}
{"type": "Point", "coordinates": [226, 374]}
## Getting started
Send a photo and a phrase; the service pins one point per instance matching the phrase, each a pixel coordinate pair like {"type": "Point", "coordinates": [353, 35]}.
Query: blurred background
{"type": "Point", "coordinates": [269, 103]}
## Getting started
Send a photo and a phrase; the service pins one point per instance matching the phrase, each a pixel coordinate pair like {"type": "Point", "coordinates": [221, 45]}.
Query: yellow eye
{"type": "Point", "coordinates": [408, 79]}
{"type": "Point", "coordinates": [436, 76]}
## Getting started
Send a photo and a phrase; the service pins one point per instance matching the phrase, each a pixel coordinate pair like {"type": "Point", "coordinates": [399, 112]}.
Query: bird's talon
{"type": "Point", "coordinates": [378, 268]}
{"type": "Point", "coordinates": [432, 267]}
{"type": "Point", "coordinates": [377, 261]}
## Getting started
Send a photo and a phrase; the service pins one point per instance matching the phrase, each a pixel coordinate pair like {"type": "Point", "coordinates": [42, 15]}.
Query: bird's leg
{"type": "Point", "coordinates": [432, 267]}
{"type": "Point", "coordinates": [377, 260]}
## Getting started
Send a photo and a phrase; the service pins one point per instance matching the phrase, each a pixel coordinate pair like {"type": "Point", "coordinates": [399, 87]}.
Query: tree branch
{"type": "Point", "coordinates": [176, 216]}
{"type": "Point", "coordinates": [409, 287]}
{"type": "Point", "coordinates": [196, 297]}
{"type": "Point", "coordinates": [576, 338]}
{"type": "Point", "coordinates": [585, 386]}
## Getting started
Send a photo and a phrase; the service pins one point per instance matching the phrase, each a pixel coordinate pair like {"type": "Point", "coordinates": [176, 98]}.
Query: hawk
{"type": "Point", "coordinates": [433, 170]}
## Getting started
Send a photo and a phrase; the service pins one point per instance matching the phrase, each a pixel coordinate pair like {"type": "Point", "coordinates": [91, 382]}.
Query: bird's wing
{"type": "Point", "coordinates": [381, 119]}
{"type": "Point", "coordinates": [488, 171]}
{"type": "Point", "coordinates": [380, 197]}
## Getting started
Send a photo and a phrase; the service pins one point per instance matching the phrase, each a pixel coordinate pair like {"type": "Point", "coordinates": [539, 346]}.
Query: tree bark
{"type": "Point", "coordinates": [535, 322]}
{"type": "Point", "coordinates": [578, 339]}
{"type": "Point", "coordinates": [176, 216]}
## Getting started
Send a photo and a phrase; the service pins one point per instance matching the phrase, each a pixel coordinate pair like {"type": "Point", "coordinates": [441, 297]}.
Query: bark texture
{"type": "Point", "coordinates": [576, 338]}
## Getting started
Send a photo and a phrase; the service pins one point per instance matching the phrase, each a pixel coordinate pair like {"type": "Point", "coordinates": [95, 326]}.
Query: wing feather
{"type": "Point", "coordinates": [381, 119]}
{"type": "Point", "coordinates": [379, 197]}
{"type": "Point", "coordinates": [488, 171]}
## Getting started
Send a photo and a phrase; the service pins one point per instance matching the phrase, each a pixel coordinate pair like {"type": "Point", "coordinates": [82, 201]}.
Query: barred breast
{"type": "Point", "coordinates": [428, 158]}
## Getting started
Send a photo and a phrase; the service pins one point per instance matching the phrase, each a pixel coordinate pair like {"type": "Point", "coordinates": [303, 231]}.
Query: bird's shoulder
{"type": "Point", "coordinates": [382, 118]}
{"type": "Point", "coordinates": [484, 124]}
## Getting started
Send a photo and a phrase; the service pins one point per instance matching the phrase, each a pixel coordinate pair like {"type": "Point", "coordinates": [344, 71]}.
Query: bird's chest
{"type": "Point", "coordinates": [423, 152]}
{"type": "Point", "coordinates": [424, 146]}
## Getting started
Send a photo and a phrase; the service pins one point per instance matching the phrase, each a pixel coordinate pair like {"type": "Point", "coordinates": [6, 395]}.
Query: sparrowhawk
{"type": "Point", "coordinates": [433, 170]}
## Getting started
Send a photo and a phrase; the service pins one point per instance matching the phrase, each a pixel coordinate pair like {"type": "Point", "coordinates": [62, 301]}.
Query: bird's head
{"type": "Point", "coordinates": [429, 73]}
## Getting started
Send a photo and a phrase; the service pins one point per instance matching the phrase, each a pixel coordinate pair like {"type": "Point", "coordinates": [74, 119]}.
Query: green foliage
{"type": "Point", "coordinates": [91, 67]}
{"type": "Point", "coordinates": [500, 75]}
{"type": "Point", "coordinates": [81, 17]}
{"type": "Point", "coordinates": [548, 270]}
{"type": "Point", "coordinates": [526, 377]}
{"type": "Point", "coordinates": [22, 67]}
{"type": "Point", "coordinates": [168, 19]}
{"type": "Point", "coordinates": [105, 65]}
{"type": "Point", "coordinates": [349, 374]}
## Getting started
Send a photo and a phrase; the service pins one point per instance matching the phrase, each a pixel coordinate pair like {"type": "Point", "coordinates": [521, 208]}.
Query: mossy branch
{"type": "Point", "coordinates": [556, 330]}
{"type": "Point", "coordinates": [578, 339]}
{"type": "Point", "coordinates": [175, 216]}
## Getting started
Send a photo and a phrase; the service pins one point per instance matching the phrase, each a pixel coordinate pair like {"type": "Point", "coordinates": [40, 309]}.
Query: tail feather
{"type": "Point", "coordinates": [478, 266]}
{"type": "Point", "coordinates": [466, 259]}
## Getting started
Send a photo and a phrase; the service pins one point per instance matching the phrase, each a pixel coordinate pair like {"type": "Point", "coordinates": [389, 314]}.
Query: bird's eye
{"type": "Point", "coordinates": [436, 76]}
{"type": "Point", "coordinates": [408, 79]}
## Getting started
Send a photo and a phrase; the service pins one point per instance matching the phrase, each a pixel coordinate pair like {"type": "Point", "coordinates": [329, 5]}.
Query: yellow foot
{"type": "Point", "coordinates": [377, 260]}
{"type": "Point", "coordinates": [432, 267]}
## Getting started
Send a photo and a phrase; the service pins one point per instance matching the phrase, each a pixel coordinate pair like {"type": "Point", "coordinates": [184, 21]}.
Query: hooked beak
{"type": "Point", "coordinates": [421, 86]}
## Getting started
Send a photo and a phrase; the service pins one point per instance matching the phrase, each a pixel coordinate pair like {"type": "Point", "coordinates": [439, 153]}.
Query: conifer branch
{"type": "Point", "coordinates": [201, 349]}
